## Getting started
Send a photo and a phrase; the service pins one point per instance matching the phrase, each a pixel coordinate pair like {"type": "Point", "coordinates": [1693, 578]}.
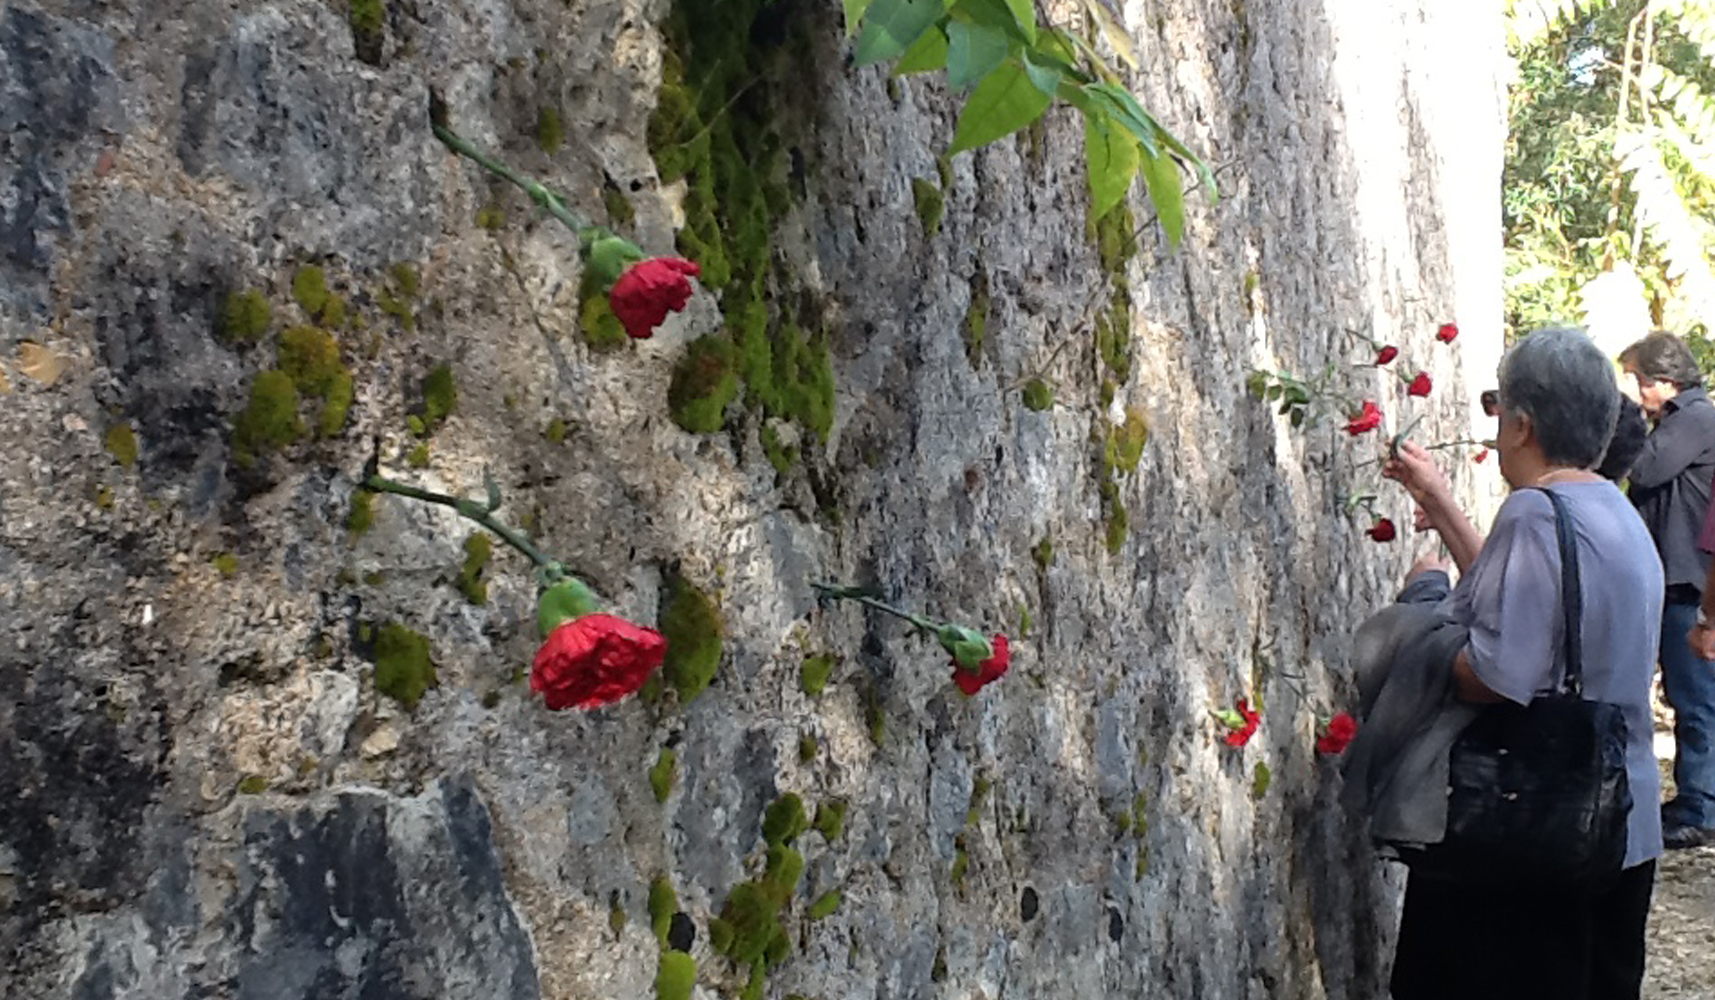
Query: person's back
{"type": "Point", "coordinates": [1621, 583]}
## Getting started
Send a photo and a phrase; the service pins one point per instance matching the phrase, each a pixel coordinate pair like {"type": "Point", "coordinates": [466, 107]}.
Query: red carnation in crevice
{"type": "Point", "coordinates": [1387, 354]}
{"type": "Point", "coordinates": [1420, 385]}
{"type": "Point", "coordinates": [991, 669]}
{"type": "Point", "coordinates": [1447, 332]}
{"type": "Point", "coordinates": [1242, 735]}
{"type": "Point", "coordinates": [1382, 531]}
{"type": "Point", "coordinates": [595, 660]}
{"type": "Point", "coordinates": [1337, 734]}
{"type": "Point", "coordinates": [1368, 420]}
{"type": "Point", "coordinates": [648, 291]}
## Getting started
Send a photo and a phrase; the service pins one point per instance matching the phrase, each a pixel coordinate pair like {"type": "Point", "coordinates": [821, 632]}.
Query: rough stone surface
{"type": "Point", "coordinates": [204, 793]}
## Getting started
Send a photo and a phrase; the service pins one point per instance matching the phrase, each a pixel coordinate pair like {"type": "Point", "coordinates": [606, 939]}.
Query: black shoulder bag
{"type": "Point", "coordinates": [1538, 793]}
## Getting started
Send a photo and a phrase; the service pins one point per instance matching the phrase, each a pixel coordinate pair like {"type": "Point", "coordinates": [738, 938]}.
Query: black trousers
{"type": "Point", "coordinates": [1463, 942]}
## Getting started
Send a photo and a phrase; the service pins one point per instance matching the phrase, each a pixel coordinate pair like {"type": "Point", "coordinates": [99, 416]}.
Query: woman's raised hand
{"type": "Point", "coordinates": [1414, 468]}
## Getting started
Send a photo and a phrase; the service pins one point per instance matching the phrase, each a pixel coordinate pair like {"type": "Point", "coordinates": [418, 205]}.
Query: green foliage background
{"type": "Point", "coordinates": [1611, 158]}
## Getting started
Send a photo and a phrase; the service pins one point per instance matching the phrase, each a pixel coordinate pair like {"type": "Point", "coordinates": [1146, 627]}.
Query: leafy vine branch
{"type": "Point", "coordinates": [1016, 69]}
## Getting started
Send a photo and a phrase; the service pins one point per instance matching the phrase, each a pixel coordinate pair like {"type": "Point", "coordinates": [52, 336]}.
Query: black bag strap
{"type": "Point", "coordinates": [1571, 595]}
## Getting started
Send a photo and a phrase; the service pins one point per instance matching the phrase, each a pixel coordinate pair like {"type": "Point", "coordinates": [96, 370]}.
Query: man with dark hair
{"type": "Point", "coordinates": [1670, 485]}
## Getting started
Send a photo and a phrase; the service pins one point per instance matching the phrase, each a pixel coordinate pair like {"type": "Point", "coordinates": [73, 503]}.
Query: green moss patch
{"type": "Point", "coordinates": [601, 329]}
{"type": "Point", "coordinates": [269, 421]}
{"type": "Point", "coordinates": [675, 976]}
{"type": "Point", "coordinates": [1261, 777]}
{"type": "Point", "coordinates": [470, 581]}
{"type": "Point", "coordinates": [1038, 395]}
{"type": "Point", "coordinates": [1125, 443]}
{"type": "Point", "coordinates": [831, 818]}
{"type": "Point", "coordinates": [661, 776]}
{"type": "Point", "coordinates": [310, 290]}
{"type": "Point", "coordinates": [404, 669]}
{"type": "Point", "coordinates": [705, 382]}
{"type": "Point", "coordinates": [826, 904]}
{"type": "Point", "coordinates": [931, 204]}
{"type": "Point", "coordinates": [440, 396]}
{"type": "Point", "coordinates": [808, 748]}
{"type": "Point", "coordinates": [784, 820]}
{"type": "Point", "coordinates": [692, 626]}
{"type": "Point", "coordinates": [244, 318]}
{"type": "Point", "coordinates": [226, 564]}
{"type": "Point", "coordinates": [663, 903]}
{"type": "Point", "coordinates": [253, 784]}
{"type": "Point", "coordinates": [731, 155]}
{"type": "Point", "coordinates": [121, 443]}
{"type": "Point", "coordinates": [975, 326]}
{"type": "Point", "coordinates": [814, 672]}
{"type": "Point", "coordinates": [311, 357]}
{"type": "Point", "coordinates": [1043, 553]}
{"type": "Point", "coordinates": [550, 135]}
{"type": "Point", "coordinates": [368, 19]}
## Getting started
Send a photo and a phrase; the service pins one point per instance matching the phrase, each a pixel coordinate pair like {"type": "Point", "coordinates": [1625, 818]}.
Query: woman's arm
{"type": "Point", "coordinates": [1415, 469]}
{"type": "Point", "coordinates": [1467, 686]}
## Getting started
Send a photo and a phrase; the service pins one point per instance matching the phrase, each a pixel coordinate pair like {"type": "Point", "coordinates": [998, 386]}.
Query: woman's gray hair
{"type": "Point", "coordinates": [1565, 384]}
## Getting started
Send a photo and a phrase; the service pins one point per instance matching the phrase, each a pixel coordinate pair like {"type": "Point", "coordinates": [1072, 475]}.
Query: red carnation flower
{"type": "Point", "coordinates": [1368, 420]}
{"type": "Point", "coordinates": [595, 660]}
{"type": "Point", "coordinates": [1387, 354]}
{"type": "Point", "coordinates": [991, 669]}
{"type": "Point", "coordinates": [650, 289]}
{"type": "Point", "coordinates": [1242, 735]}
{"type": "Point", "coordinates": [1382, 530]}
{"type": "Point", "coordinates": [1447, 332]}
{"type": "Point", "coordinates": [1337, 735]}
{"type": "Point", "coordinates": [1479, 456]}
{"type": "Point", "coordinates": [1420, 385]}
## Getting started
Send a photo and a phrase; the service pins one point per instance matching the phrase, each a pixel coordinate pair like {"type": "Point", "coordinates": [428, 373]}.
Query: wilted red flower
{"type": "Point", "coordinates": [1420, 385]}
{"type": "Point", "coordinates": [1387, 354]}
{"type": "Point", "coordinates": [1447, 332]}
{"type": "Point", "coordinates": [1368, 420]}
{"type": "Point", "coordinates": [991, 669]}
{"type": "Point", "coordinates": [648, 290]}
{"type": "Point", "coordinates": [1337, 735]}
{"type": "Point", "coordinates": [1382, 530]}
{"type": "Point", "coordinates": [595, 660]}
{"type": "Point", "coordinates": [1479, 456]}
{"type": "Point", "coordinates": [1242, 735]}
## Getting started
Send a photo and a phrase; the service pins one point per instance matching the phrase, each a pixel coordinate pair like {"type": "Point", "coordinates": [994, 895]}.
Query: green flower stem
{"type": "Point", "coordinates": [856, 594]}
{"type": "Point", "coordinates": [470, 509]}
{"type": "Point", "coordinates": [550, 202]}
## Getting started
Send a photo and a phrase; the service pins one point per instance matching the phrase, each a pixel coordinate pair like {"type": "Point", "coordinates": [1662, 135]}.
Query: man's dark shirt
{"type": "Point", "coordinates": [1670, 485]}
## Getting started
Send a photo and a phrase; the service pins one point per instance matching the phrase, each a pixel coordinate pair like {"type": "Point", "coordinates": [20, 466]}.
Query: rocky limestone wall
{"type": "Point", "coordinates": [205, 794]}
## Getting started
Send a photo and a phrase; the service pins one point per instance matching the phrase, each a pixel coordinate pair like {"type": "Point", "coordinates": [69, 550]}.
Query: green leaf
{"type": "Point", "coordinates": [1004, 102]}
{"type": "Point", "coordinates": [1125, 110]}
{"type": "Point", "coordinates": [1167, 191]}
{"type": "Point", "coordinates": [1111, 156]}
{"type": "Point", "coordinates": [973, 51]}
{"type": "Point", "coordinates": [925, 55]}
{"type": "Point", "coordinates": [1024, 12]}
{"type": "Point", "coordinates": [891, 26]}
{"type": "Point", "coordinates": [1016, 18]}
{"type": "Point", "coordinates": [1043, 75]}
{"type": "Point", "coordinates": [854, 14]}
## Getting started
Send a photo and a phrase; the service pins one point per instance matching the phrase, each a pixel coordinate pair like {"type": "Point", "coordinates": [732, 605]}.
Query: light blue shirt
{"type": "Point", "coordinates": [1510, 600]}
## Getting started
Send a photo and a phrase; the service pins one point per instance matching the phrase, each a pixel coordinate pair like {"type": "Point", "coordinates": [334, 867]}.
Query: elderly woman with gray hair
{"type": "Point", "coordinates": [1558, 402]}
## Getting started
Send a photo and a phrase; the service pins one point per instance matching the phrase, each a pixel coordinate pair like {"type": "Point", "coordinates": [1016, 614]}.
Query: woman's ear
{"type": "Point", "coordinates": [1516, 431]}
